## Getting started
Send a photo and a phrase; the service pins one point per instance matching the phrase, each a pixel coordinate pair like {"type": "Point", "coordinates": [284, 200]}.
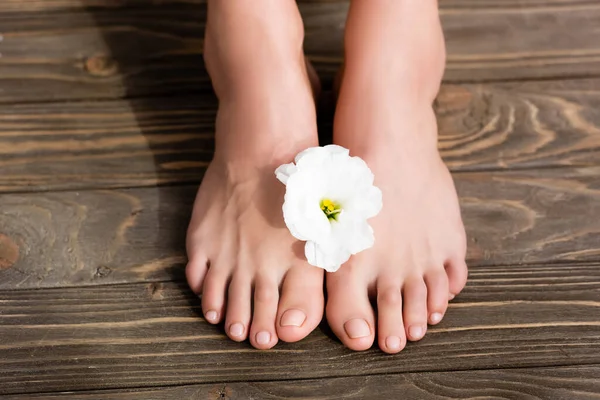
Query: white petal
{"type": "Point", "coordinates": [305, 221]}
{"type": "Point", "coordinates": [329, 261]}
{"type": "Point", "coordinates": [301, 209]}
{"type": "Point", "coordinates": [285, 171]}
{"type": "Point", "coordinates": [311, 156]}
{"type": "Point", "coordinates": [375, 202]}
{"type": "Point", "coordinates": [337, 150]}
{"type": "Point", "coordinates": [367, 203]}
{"type": "Point", "coordinates": [355, 235]}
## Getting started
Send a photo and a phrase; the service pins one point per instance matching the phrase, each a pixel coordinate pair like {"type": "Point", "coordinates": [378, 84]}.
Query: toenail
{"type": "Point", "coordinates": [211, 316]}
{"type": "Point", "coordinates": [357, 328]}
{"type": "Point", "coordinates": [450, 296]}
{"type": "Point", "coordinates": [236, 329]}
{"type": "Point", "coordinates": [293, 318]}
{"type": "Point", "coordinates": [415, 332]}
{"type": "Point", "coordinates": [435, 318]}
{"type": "Point", "coordinates": [393, 343]}
{"type": "Point", "coordinates": [263, 337]}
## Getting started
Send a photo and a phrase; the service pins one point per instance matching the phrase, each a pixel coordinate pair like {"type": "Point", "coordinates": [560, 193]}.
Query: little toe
{"type": "Point", "coordinates": [437, 295]}
{"type": "Point", "coordinates": [349, 311]}
{"type": "Point", "coordinates": [415, 308]}
{"type": "Point", "coordinates": [239, 310]}
{"type": "Point", "coordinates": [195, 271]}
{"type": "Point", "coordinates": [301, 305]}
{"type": "Point", "coordinates": [391, 336]}
{"type": "Point", "coordinates": [457, 272]}
{"type": "Point", "coordinates": [213, 294]}
{"type": "Point", "coordinates": [262, 330]}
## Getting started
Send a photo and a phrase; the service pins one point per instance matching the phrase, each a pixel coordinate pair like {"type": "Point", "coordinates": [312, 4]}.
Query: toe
{"type": "Point", "coordinates": [266, 296]}
{"type": "Point", "coordinates": [349, 311]}
{"type": "Point", "coordinates": [437, 295]}
{"type": "Point", "coordinates": [301, 305]}
{"type": "Point", "coordinates": [239, 311]}
{"type": "Point", "coordinates": [390, 334]}
{"type": "Point", "coordinates": [415, 308]}
{"type": "Point", "coordinates": [195, 271]}
{"type": "Point", "coordinates": [213, 294]}
{"type": "Point", "coordinates": [457, 272]}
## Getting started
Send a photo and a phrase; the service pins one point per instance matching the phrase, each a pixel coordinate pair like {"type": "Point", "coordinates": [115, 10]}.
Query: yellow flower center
{"type": "Point", "coordinates": [331, 209]}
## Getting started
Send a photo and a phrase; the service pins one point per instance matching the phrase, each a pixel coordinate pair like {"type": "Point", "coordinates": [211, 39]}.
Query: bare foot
{"type": "Point", "coordinates": [384, 115]}
{"type": "Point", "coordinates": [242, 258]}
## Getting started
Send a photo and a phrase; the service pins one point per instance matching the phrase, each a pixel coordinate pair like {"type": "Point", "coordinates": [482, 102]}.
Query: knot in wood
{"type": "Point", "coordinates": [220, 393]}
{"type": "Point", "coordinates": [101, 65]}
{"type": "Point", "coordinates": [9, 252]}
{"type": "Point", "coordinates": [102, 271]}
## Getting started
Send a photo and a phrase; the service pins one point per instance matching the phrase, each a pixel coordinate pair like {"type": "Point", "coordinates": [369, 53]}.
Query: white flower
{"type": "Point", "coordinates": [329, 197]}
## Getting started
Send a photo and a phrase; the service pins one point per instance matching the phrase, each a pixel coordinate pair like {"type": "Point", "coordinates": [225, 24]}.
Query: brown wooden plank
{"type": "Point", "coordinates": [518, 125]}
{"type": "Point", "coordinates": [103, 54]}
{"type": "Point", "coordinates": [111, 236]}
{"type": "Point", "coordinates": [572, 383]}
{"type": "Point", "coordinates": [132, 48]}
{"type": "Point", "coordinates": [105, 144]}
{"type": "Point", "coordinates": [151, 334]}
{"type": "Point", "coordinates": [156, 141]}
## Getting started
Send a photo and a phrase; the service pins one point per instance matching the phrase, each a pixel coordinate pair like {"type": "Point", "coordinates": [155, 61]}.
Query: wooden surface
{"type": "Point", "coordinates": [68, 238]}
{"type": "Point", "coordinates": [98, 49]}
{"type": "Point", "coordinates": [149, 334]}
{"type": "Point", "coordinates": [157, 141]}
{"type": "Point", "coordinates": [106, 128]}
{"type": "Point", "coordinates": [540, 383]}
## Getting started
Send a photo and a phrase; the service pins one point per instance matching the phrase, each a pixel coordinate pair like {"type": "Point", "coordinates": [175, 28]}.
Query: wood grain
{"type": "Point", "coordinates": [92, 292]}
{"type": "Point", "coordinates": [159, 141]}
{"type": "Point", "coordinates": [93, 237]}
{"type": "Point", "coordinates": [150, 334]}
{"type": "Point", "coordinates": [131, 235]}
{"type": "Point", "coordinates": [572, 383]}
{"type": "Point", "coordinates": [109, 49]}
{"type": "Point", "coordinates": [105, 144]}
{"type": "Point", "coordinates": [519, 125]}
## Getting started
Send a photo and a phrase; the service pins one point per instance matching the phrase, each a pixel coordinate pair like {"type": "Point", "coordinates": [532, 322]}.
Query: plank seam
{"type": "Point", "coordinates": [196, 182]}
{"type": "Point", "coordinates": [233, 381]}
{"type": "Point", "coordinates": [326, 78]}
{"type": "Point", "coordinates": [565, 263]}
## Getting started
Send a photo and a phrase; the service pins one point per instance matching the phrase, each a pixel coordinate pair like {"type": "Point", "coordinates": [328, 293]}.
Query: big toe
{"type": "Point", "coordinates": [301, 305]}
{"type": "Point", "coordinates": [349, 311]}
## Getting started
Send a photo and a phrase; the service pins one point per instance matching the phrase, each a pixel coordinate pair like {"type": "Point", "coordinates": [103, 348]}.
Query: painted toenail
{"type": "Point", "coordinates": [393, 342]}
{"type": "Point", "coordinates": [236, 329]}
{"type": "Point", "coordinates": [357, 328]}
{"type": "Point", "coordinates": [263, 337]}
{"type": "Point", "coordinates": [211, 316]}
{"type": "Point", "coordinates": [415, 332]}
{"type": "Point", "coordinates": [293, 318]}
{"type": "Point", "coordinates": [436, 317]}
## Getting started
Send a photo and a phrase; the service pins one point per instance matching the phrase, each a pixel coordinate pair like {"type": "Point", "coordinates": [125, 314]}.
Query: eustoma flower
{"type": "Point", "coordinates": [329, 198]}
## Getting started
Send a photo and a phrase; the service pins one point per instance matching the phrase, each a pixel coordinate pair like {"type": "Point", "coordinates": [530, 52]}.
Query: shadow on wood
{"type": "Point", "coordinates": [141, 29]}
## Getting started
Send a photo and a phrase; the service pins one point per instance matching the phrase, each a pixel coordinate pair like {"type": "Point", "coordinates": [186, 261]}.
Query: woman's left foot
{"type": "Point", "coordinates": [384, 116]}
{"type": "Point", "coordinates": [418, 261]}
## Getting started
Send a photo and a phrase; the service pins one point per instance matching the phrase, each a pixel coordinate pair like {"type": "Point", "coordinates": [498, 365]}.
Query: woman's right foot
{"type": "Point", "coordinates": [250, 270]}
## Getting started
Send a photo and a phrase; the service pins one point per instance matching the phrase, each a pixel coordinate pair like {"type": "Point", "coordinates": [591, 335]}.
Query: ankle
{"type": "Point", "coordinates": [257, 39]}
{"type": "Point", "coordinates": [397, 45]}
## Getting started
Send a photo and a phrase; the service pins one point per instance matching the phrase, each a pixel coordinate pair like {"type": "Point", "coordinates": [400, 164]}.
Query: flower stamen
{"type": "Point", "coordinates": [331, 209]}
